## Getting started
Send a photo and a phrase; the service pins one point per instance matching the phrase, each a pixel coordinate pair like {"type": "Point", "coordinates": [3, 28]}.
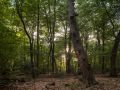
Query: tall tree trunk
{"type": "Point", "coordinates": [32, 61]}
{"type": "Point", "coordinates": [84, 66]}
{"type": "Point", "coordinates": [52, 38]}
{"type": "Point", "coordinates": [86, 41]}
{"type": "Point", "coordinates": [103, 50]}
{"type": "Point", "coordinates": [115, 46]}
{"type": "Point", "coordinates": [114, 55]}
{"type": "Point", "coordinates": [98, 46]}
{"type": "Point", "coordinates": [38, 23]}
{"type": "Point", "coordinates": [68, 64]}
{"type": "Point", "coordinates": [67, 46]}
{"type": "Point", "coordinates": [49, 31]}
{"type": "Point", "coordinates": [19, 12]}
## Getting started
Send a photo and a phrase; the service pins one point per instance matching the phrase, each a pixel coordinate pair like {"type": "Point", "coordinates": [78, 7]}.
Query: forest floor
{"type": "Point", "coordinates": [68, 82]}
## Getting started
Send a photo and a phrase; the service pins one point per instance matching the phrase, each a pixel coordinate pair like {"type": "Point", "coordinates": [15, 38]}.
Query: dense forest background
{"type": "Point", "coordinates": [35, 37]}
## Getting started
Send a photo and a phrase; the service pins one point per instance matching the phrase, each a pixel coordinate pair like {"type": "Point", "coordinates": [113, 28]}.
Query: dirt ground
{"type": "Point", "coordinates": [65, 83]}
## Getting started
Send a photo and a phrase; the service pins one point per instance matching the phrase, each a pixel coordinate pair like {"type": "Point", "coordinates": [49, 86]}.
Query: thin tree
{"type": "Point", "coordinates": [19, 12]}
{"type": "Point", "coordinates": [38, 25]}
{"type": "Point", "coordinates": [67, 47]}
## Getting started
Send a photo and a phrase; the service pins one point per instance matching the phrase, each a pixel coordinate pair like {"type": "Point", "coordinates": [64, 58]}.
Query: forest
{"type": "Point", "coordinates": [59, 45]}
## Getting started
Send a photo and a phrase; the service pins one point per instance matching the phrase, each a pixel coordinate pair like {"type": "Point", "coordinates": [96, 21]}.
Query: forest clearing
{"type": "Point", "coordinates": [59, 45]}
{"type": "Point", "coordinates": [67, 82]}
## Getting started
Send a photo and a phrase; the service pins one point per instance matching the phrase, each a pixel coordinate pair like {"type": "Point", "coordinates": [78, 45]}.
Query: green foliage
{"type": "Point", "coordinates": [92, 19]}
{"type": "Point", "coordinates": [8, 51]}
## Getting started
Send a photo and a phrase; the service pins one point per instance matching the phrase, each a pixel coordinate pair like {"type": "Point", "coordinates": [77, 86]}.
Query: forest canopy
{"type": "Point", "coordinates": [59, 37]}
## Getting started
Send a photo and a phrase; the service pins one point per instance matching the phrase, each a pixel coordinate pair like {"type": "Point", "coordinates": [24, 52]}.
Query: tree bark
{"type": "Point", "coordinates": [84, 66]}
{"type": "Point", "coordinates": [52, 38]}
{"type": "Point", "coordinates": [48, 37]}
{"type": "Point", "coordinates": [114, 51]}
{"type": "Point", "coordinates": [19, 12]}
{"type": "Point", "coordinates": [114, 55]}
{"type": "Point", "coordinates": [67, 46]}
{"type": "Point", "coordinates": [99, 46]}
{"type": "Point", "coordinates": [68, 64]}
{"type": "Point", "coordinates": [38, 25]}
{"type": "Point", "coordinates": [103, 50]}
